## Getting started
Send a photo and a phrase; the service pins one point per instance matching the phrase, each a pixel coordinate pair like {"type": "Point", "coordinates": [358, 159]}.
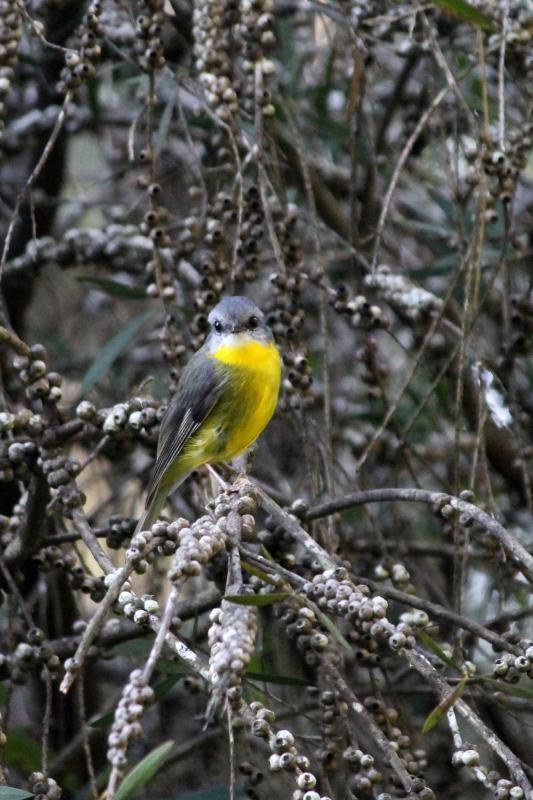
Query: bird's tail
{"type": "Point", "coordinates": [156, 504]}
{"type": "Point", "coordinates": [152, 510]}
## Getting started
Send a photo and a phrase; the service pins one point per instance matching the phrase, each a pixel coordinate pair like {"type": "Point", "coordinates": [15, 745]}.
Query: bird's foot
{"type": "Point", "coordinates": [243, 463]}
{"type": "Point", "coordinates": [216, 477]}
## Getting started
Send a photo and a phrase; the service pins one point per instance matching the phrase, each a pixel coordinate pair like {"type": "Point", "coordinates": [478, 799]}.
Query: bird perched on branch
{"type": "Point", "coordinates": [225, 398]}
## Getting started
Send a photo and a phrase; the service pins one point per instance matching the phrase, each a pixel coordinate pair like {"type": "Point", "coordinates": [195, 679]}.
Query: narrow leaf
{"type": "Point", "coordinates": [257, 599]}
{"type": "Point", "coordinates": [113, 288]}
{"type": "Point", "coordinates": [160, 689]}
{"type": "Point", "coordinates": [354, 93]}
{"type": "Point", "coordinates": [163, 687]}
{"type": "Point", "coordinates": [164, 125]}
{"type": "Point", "coordinates": [111, 351]}
{"type": "Point", "coordinates": [284, 680]}
{"type": "Point", "coordinates": [437, 650]}
{"type": "Point", "coordinates": [509, 688]}
{"type": "Point", "coordinates": [103, 721]}
{"type": "Point", "coordinates": [332, 628]}
{"type": "Point", "coordinates": [172, 667]}
{"type": "Point", "coordinates": [218, 791]}
{"type": "Point", "coordinates": [259, 573]}
{"type": "Point", "coordinates": [466, 13]}
{"type": "Point", "coordinates": [446, 703]}
{"type": "Point", "coordinates": [9, 793]}
{"type": "Point", "coordinates": [144, 771]}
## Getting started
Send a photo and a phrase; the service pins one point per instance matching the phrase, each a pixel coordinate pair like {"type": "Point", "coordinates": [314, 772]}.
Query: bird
{"type": "Point", "coordinates": [225, 398]}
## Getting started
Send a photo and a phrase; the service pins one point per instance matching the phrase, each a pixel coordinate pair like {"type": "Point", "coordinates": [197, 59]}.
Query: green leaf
{"type": "Point", "coordinates": [466, 13]}
{"type": "Point", "coordinates": [172, 667]}
{"type": "Point", "coordinates": [445, 704]}
{"type": "Point", "coordinates": [259, 573]}
{"type": "Point", "coordinates": [111, 351]}
{"type": "Point", "coordinates": [21, 751]}
{"type": "Point", "coordinates": [9, 793]}
{"type": "Point", "coordinates": [104, 721]}
{"type": "Point", "coordinates": [218, 791]}
{"type": "Point", "coordinates": [509, 688]}
{"type": "Point", "coordinates": [332, 628]}
{"type": "Point", "coordinates": [437, 650]}
{"type": "Point", "coordinates": [163, 687]}
{"type": "Point", "coordinates": [132, 648]}
{"type": "Point", "coordinates": [113, 288]}
{"type": "Point", "coordinates": [257, 599]}
{"type": "Point", "coordinates": [160, 690]}
{"type": "Point", "coordinates": [93, 85]}
{"type": "Point", "coordinates": [284, 680]}
{"type": "Point", "coordinates": [144, 771]}
{"type": "Point", "coordinates": [164, 125]}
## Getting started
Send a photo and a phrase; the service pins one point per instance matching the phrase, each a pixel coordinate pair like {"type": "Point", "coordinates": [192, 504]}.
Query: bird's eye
{"type": "Point", "coordinates": [218, 326]}
{"type": "Point", "coordinates": [253, 322]}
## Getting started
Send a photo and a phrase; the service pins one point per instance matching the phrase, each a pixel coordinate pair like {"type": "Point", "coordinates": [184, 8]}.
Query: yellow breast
{"type": "Point", "coordinates": [252, 395]}
{"type": "Point", "coordinates": [243, 351]}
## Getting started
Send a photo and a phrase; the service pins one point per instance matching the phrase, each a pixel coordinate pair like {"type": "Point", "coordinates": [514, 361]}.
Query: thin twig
{"type": "Point", "coordinates": [404, 155]}
{"type": "Point", "coordinates": [85, 736]}
{"type": "Point", "coordinates": [95, 548]}
{"type": "Point", "coordinates": [33, 177]}
{"type": "Point", "coordinates": [501, 77]}
{"type": "Point", "coordinates": [12, 340]}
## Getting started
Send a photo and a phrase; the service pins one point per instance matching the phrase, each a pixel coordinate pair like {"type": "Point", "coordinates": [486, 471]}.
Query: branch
{"type": "Point", "coordinates": [423, 666]}
{"type": "Point", "coordinates": [29, 540]}
{"type": "Point", "coordinates": [519, 553]}
{"type": "Point", "coordinates": [440, 612]}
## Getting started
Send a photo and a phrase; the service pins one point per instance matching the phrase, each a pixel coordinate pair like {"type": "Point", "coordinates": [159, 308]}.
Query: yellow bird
{"type": "Point", "coordinates": [225, 398]}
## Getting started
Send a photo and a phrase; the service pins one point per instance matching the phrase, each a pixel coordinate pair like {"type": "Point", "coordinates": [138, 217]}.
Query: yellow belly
{"type": "Point", "coordinates": [245, 407]}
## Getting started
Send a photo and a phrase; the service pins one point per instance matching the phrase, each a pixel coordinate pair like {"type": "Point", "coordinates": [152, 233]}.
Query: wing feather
{"type": "Point", "coordinates": [198, 391]}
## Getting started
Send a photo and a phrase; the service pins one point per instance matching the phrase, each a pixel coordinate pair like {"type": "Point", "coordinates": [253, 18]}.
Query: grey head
{"type": "Point", "coordinates": [238, 315]}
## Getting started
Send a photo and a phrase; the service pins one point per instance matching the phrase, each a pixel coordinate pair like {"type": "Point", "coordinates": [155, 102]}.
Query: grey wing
{"type": "Point", "coordinates": [198, 391]}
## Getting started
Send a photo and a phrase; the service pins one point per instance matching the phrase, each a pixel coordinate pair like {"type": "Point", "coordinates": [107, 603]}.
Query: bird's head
{"type": "Point", "coordinates": [239, 318]}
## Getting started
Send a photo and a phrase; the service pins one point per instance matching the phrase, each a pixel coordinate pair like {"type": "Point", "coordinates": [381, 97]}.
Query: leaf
{"type": "Point", "coordinates": [264, 576]}
{"type": "Point", "coordinates": [284, 680]}
{"type": "Point", "coordinates": [9, 793]}
{"type": "Point", "coordinates": [144, 771]}
{"type": "Point", "coordinates": [21, 751]}
{"type": "Point", "coordinates": [93, 100]}
{"type": "Point", "coordinates": [132, 648]}
{"type": "Point", "coordinates": [332, 628]}
{"type": "Point", "coordinates": [509, 688]}
{"type": "Point", "coordinates": [437, 650]}
{"type": "Point", "coordinates": [257, 599]}
{"type": "Point", "coordinates": [445, 704]}
{"type": "Point", "coordinates": [164, 125]}
{"type": "Point", "coordinates": [465, 12]}
{"type": "Point", "coordinates": [113, 288]}
{"type": "Point", "coordinates": [160, 690]}
{"type": "Point", "coordinates": [218, 791]}
{"type": "Point", "coordinates": [354, 93]}
{"type": "Point", "coordinates": [102, 721]}
{"type": "Point", "coordinates": [163, 687]}
{"type": "Point", "coordinates": [172, 667]}
{"type": "Point", "coordinates": [111, 351]}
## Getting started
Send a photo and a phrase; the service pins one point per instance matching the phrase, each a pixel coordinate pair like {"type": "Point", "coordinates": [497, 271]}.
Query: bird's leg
{"type": "Point", "coordinates": [243, 463]}
{"type": "Point", "coordinates": [215, 477]}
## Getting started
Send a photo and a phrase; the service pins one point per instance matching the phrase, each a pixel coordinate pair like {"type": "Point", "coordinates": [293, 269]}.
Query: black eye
{"type": "Point", "coordinates": [218, 326]}
{"type": "Point", "coordinates": [253, 322]}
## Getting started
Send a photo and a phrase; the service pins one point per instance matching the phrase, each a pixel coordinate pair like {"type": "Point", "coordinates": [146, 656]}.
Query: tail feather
{"type": "Point", "coordinates": [152, 511]}
{"type": "Point", "coordinates": [155, 505]}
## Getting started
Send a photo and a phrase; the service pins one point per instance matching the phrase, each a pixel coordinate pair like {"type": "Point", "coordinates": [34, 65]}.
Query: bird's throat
{"type": "Point", "coordinates": [241, 350]}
